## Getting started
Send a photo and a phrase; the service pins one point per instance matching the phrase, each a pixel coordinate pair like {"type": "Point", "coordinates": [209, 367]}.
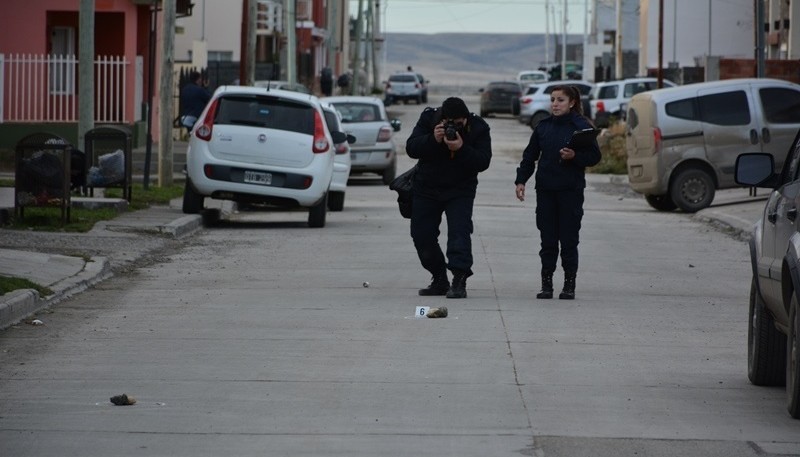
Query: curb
{"type": "Point", "coordinates": [19, 304]}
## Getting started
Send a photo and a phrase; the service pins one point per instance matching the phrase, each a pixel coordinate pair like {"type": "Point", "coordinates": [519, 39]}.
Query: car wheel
{"type": "Point", "coordinates": [692, 190]}
{"type": "Point", "coordinates": [661, 202]}
{"type": "Point", "coordinates": [419, 99]}
{"type": "Point", "coordinates": [515, 107]}
{"type": "Point", "coordinates": [793, 360]}
{"type": "Point", "coordinates": [766, 360]}
{"type": "Point", "coordinates": [336, 201]}
{"type": "Point", "coordinates": [389, 173]}
{"type": "Point", "coordinates": [192, 201]}
{"type": "Point", "coordinates": [536, 118]}
{"type": "Point", "coordinates": [484, 113]}
{"type": "Point", "coordinates": [425, 98]}
{"type": "Point", "coordinates": [318, 212]}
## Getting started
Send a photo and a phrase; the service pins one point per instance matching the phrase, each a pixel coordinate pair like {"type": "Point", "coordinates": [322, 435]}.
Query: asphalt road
{"type": "Point", "coordinates": [260, 336]}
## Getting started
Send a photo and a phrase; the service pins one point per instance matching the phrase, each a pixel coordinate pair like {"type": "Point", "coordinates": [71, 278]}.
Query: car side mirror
{"type": "Point", "coordinates": [756, 169]}
{"type": "Point", "coordinates": [339, 137]}
{"type": "Point", "coordinates": [395, 124]}
{"type": "Point", "coordinates": [350, 139]}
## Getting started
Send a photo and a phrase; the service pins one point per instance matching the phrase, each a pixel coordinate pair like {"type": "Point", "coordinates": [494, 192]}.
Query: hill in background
{"type": "Point", "coordinates": [464, 59]}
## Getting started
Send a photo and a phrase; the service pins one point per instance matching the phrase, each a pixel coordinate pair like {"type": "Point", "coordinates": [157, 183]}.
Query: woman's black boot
{"type": "Point", "coordinates": [547, 285]}
{"type": "Point", "coordinates": [568, 292]}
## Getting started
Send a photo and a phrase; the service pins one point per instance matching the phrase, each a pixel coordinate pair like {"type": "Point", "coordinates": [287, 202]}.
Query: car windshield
{"type": "Point", "coordinates": [403, 78]}
{"type": "Point", "coordinates": [268, 112]}
{"type": "Point", "coordinates": [358, 112]}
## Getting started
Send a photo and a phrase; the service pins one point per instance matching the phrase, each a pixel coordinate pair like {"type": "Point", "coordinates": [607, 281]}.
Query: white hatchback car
{"type": "Point", "coordinates": [341, 160]}
{"type": "Point", "coordinates": [374, 150]}
{"type": "Point", "coordinates": [261, 146]}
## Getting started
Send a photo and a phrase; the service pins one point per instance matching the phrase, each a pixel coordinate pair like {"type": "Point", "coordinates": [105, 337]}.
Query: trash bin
{"type": "Point", "coordinates": [42, 175]}
{"type": "Point", "coordinates": [108, 159]}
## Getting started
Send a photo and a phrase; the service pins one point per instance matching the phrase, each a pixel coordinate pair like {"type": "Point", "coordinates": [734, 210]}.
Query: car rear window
{"type": "Point", "coordinates": [403, 78]}
{"type": "Point", "coordinates": [504, 87]}
{"type": "Point", "coordinates": [268, 112]}
{"type": "Point", "coordinates": [531, 90]}
{"type": "Point", "coordinates": [358, 112]}
{"type": "Point", "coordinates": [607, 92]}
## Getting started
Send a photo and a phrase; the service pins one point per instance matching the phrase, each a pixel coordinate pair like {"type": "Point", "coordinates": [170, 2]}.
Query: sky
{"type": "Point", "coordinates": [478, 16]}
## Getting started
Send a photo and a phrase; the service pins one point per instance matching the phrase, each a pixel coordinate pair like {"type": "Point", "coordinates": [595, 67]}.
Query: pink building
{"type": "Point", "coordinates": [39, 48]}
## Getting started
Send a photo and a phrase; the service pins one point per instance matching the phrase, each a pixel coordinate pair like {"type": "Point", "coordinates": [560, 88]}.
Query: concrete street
{"type": "Point", "coordinates": [260, 336]}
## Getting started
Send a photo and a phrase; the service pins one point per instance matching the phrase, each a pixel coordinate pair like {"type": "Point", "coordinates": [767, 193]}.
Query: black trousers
{"type": "Point", "coordinates": [426, 217]}
{"type": "Point", "coordinates": [558, 218]}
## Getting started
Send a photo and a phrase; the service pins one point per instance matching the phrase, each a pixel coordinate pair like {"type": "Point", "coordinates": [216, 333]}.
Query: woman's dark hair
{"type": "Point", "coordinates": [573, 94]}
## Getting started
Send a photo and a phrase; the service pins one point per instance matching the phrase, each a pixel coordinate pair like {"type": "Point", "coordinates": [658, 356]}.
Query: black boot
{"type": "Point", "coordinates": [547, 285]}
{"type": "Point", "coordinates": [568, 292]}
{"type": "Point", "coordinates": [439, 285]}
{"type": "Point", "coordinates": [458, 289]}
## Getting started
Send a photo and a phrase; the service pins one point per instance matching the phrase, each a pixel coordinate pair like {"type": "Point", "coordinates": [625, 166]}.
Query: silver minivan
{"type": "Point", "coordinates": [682, 142]}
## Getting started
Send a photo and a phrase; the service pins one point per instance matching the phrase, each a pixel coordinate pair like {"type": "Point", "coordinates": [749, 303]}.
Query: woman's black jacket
{"type": "Point", "coordinates": [549, 136]}
{"type": "Point", "coordinates": [440, 173]}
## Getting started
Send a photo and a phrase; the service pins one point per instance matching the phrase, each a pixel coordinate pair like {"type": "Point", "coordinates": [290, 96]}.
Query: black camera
{"type": "Point", "coordinates": [450, 129]}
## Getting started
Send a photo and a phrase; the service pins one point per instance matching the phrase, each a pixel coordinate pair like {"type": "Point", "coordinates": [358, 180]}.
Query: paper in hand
{"type": "Point", "coordinates": [582, 139]}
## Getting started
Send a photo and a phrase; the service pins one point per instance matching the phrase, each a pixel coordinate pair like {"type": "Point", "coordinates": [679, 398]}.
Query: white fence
{"type": "Point", "coordinates": [44, 88]}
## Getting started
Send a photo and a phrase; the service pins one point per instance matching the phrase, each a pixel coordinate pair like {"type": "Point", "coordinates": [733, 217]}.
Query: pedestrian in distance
{"type": "Point", "coordinates": [560, 182]}
{"type": "Point", "coordinates": [452, 146]}
{"type": "Point", "coordinates": [194, 97]}
{"type": "Point", "coordinates": [326, 81]}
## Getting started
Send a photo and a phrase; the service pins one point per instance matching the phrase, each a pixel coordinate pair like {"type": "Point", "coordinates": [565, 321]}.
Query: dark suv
{"type": "Point", "coordinates": [499, 97]}
{"type": "Point", "coordinates": [773, 339]}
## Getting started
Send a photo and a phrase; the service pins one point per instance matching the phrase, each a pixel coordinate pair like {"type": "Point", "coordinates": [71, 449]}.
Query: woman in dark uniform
{"type": "Point", "coordinates": [560, 180]}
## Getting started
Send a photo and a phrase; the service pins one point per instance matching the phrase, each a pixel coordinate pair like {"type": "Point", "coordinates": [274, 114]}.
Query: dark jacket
{"type": "Point", "coordinates": [194, 99]}
{"type": "Point", "coordinates": [439, 174]}
{"type": "Point", "coordinates": [549, 136]}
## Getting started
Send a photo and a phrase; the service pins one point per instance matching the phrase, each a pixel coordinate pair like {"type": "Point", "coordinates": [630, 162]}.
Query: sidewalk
{"type": "Point", "coordinates": [733, 210]}
{"type": "Point", "coordinates": [68, 275]}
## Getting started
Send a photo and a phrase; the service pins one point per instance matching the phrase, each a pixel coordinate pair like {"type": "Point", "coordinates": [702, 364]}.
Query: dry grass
{"type": "Point", "coordinates": [612, 146]}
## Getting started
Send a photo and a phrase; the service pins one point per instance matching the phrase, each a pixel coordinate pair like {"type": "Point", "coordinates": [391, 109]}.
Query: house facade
{"type": "Point", "coordinates": [39, 53]}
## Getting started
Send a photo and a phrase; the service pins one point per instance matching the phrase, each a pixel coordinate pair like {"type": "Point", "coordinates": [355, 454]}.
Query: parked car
{"type": "Point", "coordinates": [682, 142]}
{"type": "Point", "coordinates": [773, 337]}
{"type": "Point", "coordinates": [610, 98]}
{"type": "Point", "coordinates": [498, 97]}
{"type": "Point", "coordinates": [532, 76]}
{"type": "Point", "coordinates": [404, 86]}
{"type": "Point", "coordinates": [535, 101]}
{"type": "Point", "coordinates": [283, 85]}
{"type": "Point", "coordinates": [374, 150]}
{"type": "Point", "coordinates": [341, 159]}
{"type": "Point", "coordinates": [258, 146]}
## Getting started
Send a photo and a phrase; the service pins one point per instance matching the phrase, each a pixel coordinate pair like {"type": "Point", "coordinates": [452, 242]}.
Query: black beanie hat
{"type": "Point", "coordinates": [454, 108]}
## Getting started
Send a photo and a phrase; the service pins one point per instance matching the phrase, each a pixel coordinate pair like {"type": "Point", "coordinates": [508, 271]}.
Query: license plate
{"type": "Point", "coordinates": [258, 177]}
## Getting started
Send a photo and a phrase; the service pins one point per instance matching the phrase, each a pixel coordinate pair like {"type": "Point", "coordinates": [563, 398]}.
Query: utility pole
{"type": "Point", "coordinates": [760, 39]}
{"type": "Point", "coordinates": [376, 34]}
{"type": "Point", "coordinates": [618, 43]}
{"type": "Point", "coordinates": [291, 40]}
{"type": "Point", "coordinates": [357, 56]}
{"type": "Point", "coordinates": [333, 23]}
{"type": "Point", "coordinates": [547, 32]}
{"type": "Point", "coordinates": [660, 44]}
{"type": "Point", "coordinates": [250, 57]}
{"type": "Point", "coordinates": [165, 93]}
{"type": "Point", "coordinates": [564, 44]}
{"type": "Point", "coordinates": [86, 70]}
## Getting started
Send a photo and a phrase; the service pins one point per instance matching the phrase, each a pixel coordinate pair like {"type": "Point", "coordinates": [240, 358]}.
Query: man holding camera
{"type": "Point", "coordinates": [452, 146]}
